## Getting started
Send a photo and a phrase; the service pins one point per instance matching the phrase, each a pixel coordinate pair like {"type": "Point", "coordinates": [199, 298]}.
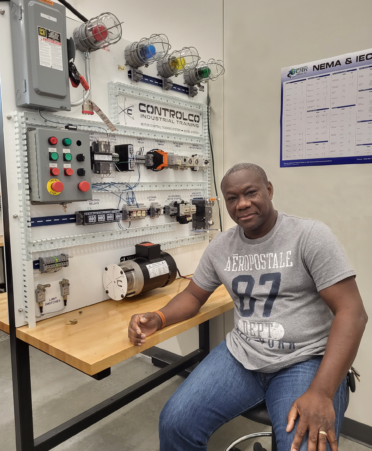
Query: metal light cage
{"type": "Point", "coordinates": [178, 62]}
{"type": "Point", "coordinates": [147, 51]}
{"type": "Point", "coordinates": [204, 72]}
{"type": "Point", "coordinates": [99, 32]}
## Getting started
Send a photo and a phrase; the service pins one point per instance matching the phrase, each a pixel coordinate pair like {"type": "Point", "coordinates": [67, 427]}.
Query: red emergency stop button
{"type": "Point", "coordinates": [53, 140]}
{"type": "Point", "coordinates": [84, 186]}
{"type": "Point", "coordinates": [54, 171]}
{"type": "Point", "coordinates": [57, 187]}
{"type": "Point", "coordinates": [69, 171]}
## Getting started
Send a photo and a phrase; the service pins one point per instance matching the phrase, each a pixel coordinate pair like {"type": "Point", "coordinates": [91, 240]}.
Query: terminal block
{"type": "Point", "coordinates": [101, 158]}
{"type": "Point", "coordinates": [155, 210]}
{"type": "Point", "coordinates": [133, 212]}
{"type": "Point", "coordinates": [93, 217]}
{"type": "Point", "coordinates": [53, 264]}
{"type": "Point", "coordinates": [202, 218]}
{"type": "Point", "coordinates": [64, 285]}
{"type": "Point", "coordinates": [181, 210]}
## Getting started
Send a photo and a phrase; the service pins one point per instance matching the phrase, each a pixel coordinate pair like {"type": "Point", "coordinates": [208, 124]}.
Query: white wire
{"type": "Point", "coordinates": [87, 74]}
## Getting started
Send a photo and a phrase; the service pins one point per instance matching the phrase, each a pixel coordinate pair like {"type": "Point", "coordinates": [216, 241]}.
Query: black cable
{"type": "Point", "coordinates": [214, 172]}
{"type": "Point", "coordinates": [183, 277]}
{"type": "Point", "coordinates": [73, 10]}
{"type": "Point", "coordinates": [77, 125]}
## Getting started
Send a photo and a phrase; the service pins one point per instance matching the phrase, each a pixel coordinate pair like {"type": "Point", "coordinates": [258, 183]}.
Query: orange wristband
{"type": "Point", "coordinates": [162, 317]}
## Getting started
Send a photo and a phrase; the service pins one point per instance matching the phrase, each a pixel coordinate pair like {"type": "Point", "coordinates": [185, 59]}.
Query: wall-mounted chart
{"type": "Point", "coordinates": [326, 111]}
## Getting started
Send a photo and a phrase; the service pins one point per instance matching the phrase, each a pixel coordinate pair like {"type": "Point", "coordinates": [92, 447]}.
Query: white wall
{"type": "Point", "coordinates": [195, 23]}
{"type": "Point", "coordinates": [261, 37]}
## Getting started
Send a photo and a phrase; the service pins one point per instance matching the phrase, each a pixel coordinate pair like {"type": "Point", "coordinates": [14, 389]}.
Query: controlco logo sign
{"type": "Point", "coordinates": [294, 72]}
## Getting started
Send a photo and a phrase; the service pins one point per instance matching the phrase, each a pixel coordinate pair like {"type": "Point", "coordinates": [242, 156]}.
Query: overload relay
{"type": "Point", "coordinates": [181, 210]}
{"type": "Point", "coordinates": [202, 218]}
{"type": "Point", "coordinates": [59, 166]}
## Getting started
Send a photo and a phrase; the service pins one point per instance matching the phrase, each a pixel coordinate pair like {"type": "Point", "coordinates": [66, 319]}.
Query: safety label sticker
{"type": "Point", "coordinates": [157, 269]}
{"type": "Point", "coordinates": [50, 48]}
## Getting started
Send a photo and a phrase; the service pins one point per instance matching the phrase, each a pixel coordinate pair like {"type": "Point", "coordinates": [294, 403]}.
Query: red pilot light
{"type": "Point", "coordinates": [53, 140]}
{"type": "Point", "coordinates": [100, 32]}
{"type": "Point", "coordinates": [84, 186]}
{"type": "Point", "coordinates": [57, 187]}
{"type": "Point", "coordinates": [54, 171]}
{"type": "Point", "coordinates": [69, 171]}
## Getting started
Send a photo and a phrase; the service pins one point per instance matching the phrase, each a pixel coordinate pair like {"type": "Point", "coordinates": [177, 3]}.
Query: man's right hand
{"type": "Point", "coordinates": [143, 325]}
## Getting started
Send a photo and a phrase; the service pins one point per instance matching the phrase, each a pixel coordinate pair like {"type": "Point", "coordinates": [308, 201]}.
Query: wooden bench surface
{"type": "Point", "coordinates": [99, 339]}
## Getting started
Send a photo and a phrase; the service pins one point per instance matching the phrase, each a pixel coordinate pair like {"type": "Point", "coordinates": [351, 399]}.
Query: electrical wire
{"type": "Point", "coordinates": [77, 125]}
{"type": "Point", "coordinates": [212, 155]}
{"type": "Point", "coordinates": [183, 277]}
{"type": "Point", "coordinates": [86, 94]}
{"type": "Point", "coordinates": [73, 10]}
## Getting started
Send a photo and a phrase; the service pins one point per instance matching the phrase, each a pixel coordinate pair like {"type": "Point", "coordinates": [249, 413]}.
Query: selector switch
{"type": "Point", "coordinates": [84, 186]}
{"type": "Point", "coordinates": [69, 171]}
{"type": "Point", "coordinates": [54, 171]}
{"type": "Point", "coordinates": [53, 156]}
{"type": "Point", "coordinates": [67, 156]}
{"type": "Point", "coordinates": [66, 142]}
{"type": "Point", "coordinates": [81, 172]}
{"type": "Point", "coordinates": [80, 157]}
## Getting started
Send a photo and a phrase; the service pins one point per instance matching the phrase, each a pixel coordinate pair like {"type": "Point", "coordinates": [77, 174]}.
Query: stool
{"type": "Point", "coordinates": [260, 414]}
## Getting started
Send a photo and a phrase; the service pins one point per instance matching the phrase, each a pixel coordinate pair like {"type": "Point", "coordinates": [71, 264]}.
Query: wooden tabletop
{"type": "Point", "coordinates": [4, 321]}
{"type": "Point", "coordinates": [99, 339]}
{"type": "Point", "coordinates": [1, 241]}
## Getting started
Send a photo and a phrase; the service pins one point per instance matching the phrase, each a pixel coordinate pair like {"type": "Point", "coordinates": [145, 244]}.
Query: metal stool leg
{"type": "Point", "coordinates": [247, 437]}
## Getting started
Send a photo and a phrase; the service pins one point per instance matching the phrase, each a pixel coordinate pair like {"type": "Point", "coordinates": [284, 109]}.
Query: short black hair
{"type": "Point", "coordinates": [252, 167]}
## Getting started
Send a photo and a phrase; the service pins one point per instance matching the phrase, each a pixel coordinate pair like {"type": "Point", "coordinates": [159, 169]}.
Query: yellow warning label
{"type": "Point", "coordinates": [42, 31]}
{"type": "Point", "coordinates": [49, 187]}
{"type": "Point", "coordinates": [48, 2]}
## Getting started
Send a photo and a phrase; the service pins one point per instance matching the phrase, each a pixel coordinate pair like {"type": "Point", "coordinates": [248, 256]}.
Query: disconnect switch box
{"type": "Point", "coordinates": [40, 55]}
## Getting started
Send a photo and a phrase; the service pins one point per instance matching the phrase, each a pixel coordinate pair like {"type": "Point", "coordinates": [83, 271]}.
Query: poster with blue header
{"type": "Point", "coordinates": [326, 111]}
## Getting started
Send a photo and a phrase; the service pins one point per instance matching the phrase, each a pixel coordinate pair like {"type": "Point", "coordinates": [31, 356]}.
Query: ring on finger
{"type": "Point", "coordinates": [322, 432]}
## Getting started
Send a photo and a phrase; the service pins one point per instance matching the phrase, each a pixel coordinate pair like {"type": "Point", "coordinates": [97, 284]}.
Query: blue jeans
{"type": "Point", "coordinates": [220, 389]}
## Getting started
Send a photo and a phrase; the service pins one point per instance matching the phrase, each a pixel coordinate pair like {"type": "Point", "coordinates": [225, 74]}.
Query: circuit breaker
{"type": "Point", "coordinates": [59, 166]}
{"type": "Point", "coordinates": [40, 55]}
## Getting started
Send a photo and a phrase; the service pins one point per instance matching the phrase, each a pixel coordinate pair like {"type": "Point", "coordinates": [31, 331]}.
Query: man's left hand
{"type": "Point", "coordinates": [316, 414]}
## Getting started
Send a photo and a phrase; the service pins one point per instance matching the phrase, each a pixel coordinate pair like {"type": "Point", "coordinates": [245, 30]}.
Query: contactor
{"type": "Point", "coordinates": [59, 166]}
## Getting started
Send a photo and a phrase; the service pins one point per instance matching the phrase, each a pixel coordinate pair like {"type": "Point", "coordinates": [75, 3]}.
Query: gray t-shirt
{"type": "Point", "coordinates": [280, 318]}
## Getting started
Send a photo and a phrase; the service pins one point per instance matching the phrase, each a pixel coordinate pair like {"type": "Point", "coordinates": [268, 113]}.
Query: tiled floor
{"type": "Point", "coordinates": [60, 392]}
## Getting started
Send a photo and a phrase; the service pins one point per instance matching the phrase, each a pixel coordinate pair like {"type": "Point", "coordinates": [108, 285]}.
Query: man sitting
{"type": "Point", "coordinates": [299, 320]}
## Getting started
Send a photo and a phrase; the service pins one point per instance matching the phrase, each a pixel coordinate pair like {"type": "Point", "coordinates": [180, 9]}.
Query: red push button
{"type": "Point", "coordinates": [53, 140]}
{"type": "Point", "coordinates": [57, 187]}
{"type": "Point", "coordinates": [84, 186]}
{"type": "Point", "coordinates": [54, 171]}
{"type": "Point", "coordinates": [69, 171]}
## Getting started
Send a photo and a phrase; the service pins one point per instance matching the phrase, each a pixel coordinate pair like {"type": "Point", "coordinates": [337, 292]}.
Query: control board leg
{"type": "Point", "coordinates": [22, 394]}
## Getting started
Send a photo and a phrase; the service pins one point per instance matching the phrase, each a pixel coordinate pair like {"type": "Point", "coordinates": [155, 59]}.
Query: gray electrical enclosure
{"type": "Point", "coordinates": [40, 55]}
{"type": "Point", "coordinates": [59, 166]}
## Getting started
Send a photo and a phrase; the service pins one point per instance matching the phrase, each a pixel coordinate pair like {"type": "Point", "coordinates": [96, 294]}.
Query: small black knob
{"type": "Point", "coordinates": [80, 157]}
{"type": "Point", "coordinates": [81, 172]}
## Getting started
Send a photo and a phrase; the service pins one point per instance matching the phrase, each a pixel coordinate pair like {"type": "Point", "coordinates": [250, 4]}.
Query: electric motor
{"type": "Point", "coordinates": [148, 269]}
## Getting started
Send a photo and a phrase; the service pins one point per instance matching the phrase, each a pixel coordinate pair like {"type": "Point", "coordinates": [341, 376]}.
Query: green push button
{"type": "Point", "coordinates": [66, 142]}
{"type": "Point", "coordinates": [53, 156]}
{"type": "Point", "coordinates": [67, 156]}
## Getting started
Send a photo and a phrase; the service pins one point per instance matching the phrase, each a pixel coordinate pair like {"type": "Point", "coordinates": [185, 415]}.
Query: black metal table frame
{"type": "Point", "coordinates": [20, 360]}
